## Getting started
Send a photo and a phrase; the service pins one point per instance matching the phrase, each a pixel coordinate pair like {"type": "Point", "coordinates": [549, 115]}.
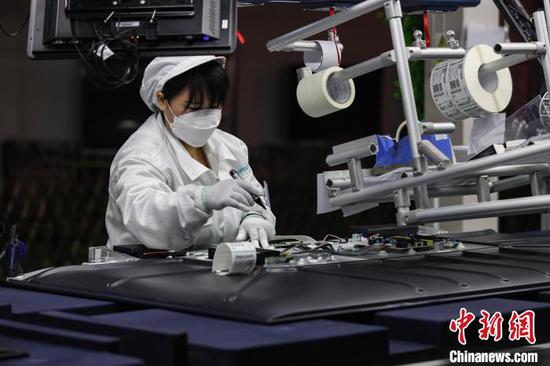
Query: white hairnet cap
{"type": "Point", "coordinates": [162, 69]}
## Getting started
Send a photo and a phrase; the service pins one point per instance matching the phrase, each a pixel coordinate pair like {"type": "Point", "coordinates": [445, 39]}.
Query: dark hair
{"type": "Point", "coordinates": [208, 80]}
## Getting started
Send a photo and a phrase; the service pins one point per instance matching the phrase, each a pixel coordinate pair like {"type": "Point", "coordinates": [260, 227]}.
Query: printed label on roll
{"type": "Point", "coordinates": [234, 258]}
{"type": "Point", "coordinates": [460, 92]}
{"type": "Point", "coordinates": [441, 93]}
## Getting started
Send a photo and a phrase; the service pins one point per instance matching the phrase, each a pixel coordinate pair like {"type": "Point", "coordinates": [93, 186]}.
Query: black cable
{"type": "Point", "coordinates": [129, 52]}
{"type": "Point", "coordinates": [100, 69]}
{"type": "Point", "coordinates": [8, 34]}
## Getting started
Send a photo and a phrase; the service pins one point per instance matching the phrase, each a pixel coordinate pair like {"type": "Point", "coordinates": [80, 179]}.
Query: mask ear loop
{"type": "Point", "coordinates": [173, 115]}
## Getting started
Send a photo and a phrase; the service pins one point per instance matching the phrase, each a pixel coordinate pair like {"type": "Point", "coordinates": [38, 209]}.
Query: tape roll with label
{"type": "Point", "coordinates": [234, 258]}
{"type": "Point", "coordinates": [317, 98]}
{"type": "Point", "coordinates": [459, 90]}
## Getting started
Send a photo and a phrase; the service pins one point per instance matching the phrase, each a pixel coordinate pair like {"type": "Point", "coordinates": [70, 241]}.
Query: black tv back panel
{"type": "Point", "coordinates": [162, 27]}
{"type": "Point", "coordinates": [101, 8]}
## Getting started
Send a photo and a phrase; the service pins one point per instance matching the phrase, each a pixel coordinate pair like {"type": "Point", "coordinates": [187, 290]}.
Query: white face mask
{"type": "Point", "coordinates": [195, 128]}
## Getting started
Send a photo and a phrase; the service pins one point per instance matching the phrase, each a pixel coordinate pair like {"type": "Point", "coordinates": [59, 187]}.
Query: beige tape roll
{"type": "Point", "coordinates": [318, 99]}
{"type": "Point", "coordinates": [460, 92]}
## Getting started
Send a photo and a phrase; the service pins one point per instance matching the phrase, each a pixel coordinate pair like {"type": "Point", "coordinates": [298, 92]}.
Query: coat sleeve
{"type": "Point", "coordinates": [152, 212]}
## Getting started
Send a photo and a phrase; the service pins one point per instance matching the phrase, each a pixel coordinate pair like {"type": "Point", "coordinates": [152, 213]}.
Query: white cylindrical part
{"type": "Point", "coordinates": [436, 53]}
{"type": "Point", "coordinates": [317, 98]}
{"type": "Point", "coordinates": [324, 56]}
{"type": "Point", "coordinates": [437, 127]}
{"type": "Point", "coordinates": [460, 91]}
{"type": "Point", "coordinates": [302, 46]}
{"type": "Point", "coordinates": [234, 258]}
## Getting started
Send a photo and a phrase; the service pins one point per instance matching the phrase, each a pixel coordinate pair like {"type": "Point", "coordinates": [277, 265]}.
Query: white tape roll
{"type": "Point", "coordinates": [234, 258]}
{"type": "Point", "coordinates": [317, 99]}
{"type": "Point", "coordinates": [460, 92]}
{"type": "Point", "coordinates": [323, 58]}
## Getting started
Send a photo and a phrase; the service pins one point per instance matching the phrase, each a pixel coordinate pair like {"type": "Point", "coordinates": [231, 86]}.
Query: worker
{"type": "Point", "coordinates": [170, 183]}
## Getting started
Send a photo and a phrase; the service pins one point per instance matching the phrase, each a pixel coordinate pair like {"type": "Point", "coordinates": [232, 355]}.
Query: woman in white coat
{"type": "Point", "coordinates": [170, 185]}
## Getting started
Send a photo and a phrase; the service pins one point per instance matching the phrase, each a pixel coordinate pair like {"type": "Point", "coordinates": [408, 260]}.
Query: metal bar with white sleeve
{"type": "Point", "coordinates": [388, 59]}
{"type": "Point", "coordinates": [453, 171]}
{"type": "Point", "coordinates": [321, 25]}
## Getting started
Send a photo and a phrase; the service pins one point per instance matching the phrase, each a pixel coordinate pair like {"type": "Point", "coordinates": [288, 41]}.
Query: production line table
{"type": "Point", "coordinates": [140, 319]}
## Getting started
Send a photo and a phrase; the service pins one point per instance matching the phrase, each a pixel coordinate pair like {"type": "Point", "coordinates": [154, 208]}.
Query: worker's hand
{"type": "Point", "coordinates": [229, 193]}
{"type": "Point", "coordinates": [265, 213]}
{"type": "Point", "coordinates": [257, 229]}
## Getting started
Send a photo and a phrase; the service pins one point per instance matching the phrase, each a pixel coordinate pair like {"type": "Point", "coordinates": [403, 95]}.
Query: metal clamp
{"type": "Point", "coordinates": [351, 153]}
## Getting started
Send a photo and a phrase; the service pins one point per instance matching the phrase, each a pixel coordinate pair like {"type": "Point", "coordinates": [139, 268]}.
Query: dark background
{"type": "Point", "coordinates": [58, 133]}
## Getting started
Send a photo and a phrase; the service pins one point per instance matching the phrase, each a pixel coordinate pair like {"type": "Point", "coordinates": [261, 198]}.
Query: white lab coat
{"type": "Point", "coordinates": [155, 190]}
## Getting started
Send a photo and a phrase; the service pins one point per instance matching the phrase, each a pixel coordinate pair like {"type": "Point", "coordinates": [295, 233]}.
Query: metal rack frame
{"type": "Point", "coordinates": [425, 183]}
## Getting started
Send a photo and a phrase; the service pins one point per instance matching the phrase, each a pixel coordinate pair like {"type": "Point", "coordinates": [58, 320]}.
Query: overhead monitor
{"type": "Point", "coordinates": [63, 28]}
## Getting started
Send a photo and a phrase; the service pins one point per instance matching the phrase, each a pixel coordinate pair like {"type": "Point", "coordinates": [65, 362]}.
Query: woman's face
{"type": "Point", "coordinates": [180, 104]}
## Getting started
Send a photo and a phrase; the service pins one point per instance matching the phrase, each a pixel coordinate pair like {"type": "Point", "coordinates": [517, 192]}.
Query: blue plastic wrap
{"type": "Point", "coordinates": [392, 153]}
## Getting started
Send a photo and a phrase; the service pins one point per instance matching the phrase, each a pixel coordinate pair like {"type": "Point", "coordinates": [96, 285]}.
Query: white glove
{"type": "Point", "coordinates": [265, 213]}
{"type": "Point", "coordinates": [257, 229]}
{"type": "Point", "coordinates": [229, 193]}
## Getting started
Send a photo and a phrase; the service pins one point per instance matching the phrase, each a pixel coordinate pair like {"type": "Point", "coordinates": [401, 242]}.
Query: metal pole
{"type": "Point", "coordinates": [323, 24]}
{"type": "Point", "coordinates": [483, 189]}
{"type": "Point", "coordinates": [343, 157]}
{"type": "Point", "coordinates": [520, 48]}
{"type": "Point", "coordinates": [402, 203]}
{"type": "Point", "coordinates": [510, 183]}
{"type": "Point", "coordinates": [388, 59]}
{"type": "Point", "coordinates": [452, 191]}
{"type": "Point", "coordinates": [509, 170]}
{"type": "Point", "coordinates": [542, 36]}
{"type": "Point", "coordinates": [356, 174]}
{"type": "Point", "coordinates": [302, 46]}
{"type": "Point", "coordinates": [362, 68]}
{"type": "Point", "coordinates": [537, 186]}
{"type": "Point", "coordinates": [434, 154]}
{"type": "Point", "coordinates": [419, 163]}
{"type": "Point", "coordinates": [515, 206]}
{"type": "Point", "coordinates": [453, 171]}
{"type": "Point", "coordinates": [431, 128]}
{"type": "Point", "coordinates": [394, 15]}
{"type": "Point", "coordinates": [505, 62]}
{"type": "Point", "coordinates": [547, 12]}
{"type": "Point", "coordinates": [545, 217]}
{"type": "Point", "coordinates": [436, 53]}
